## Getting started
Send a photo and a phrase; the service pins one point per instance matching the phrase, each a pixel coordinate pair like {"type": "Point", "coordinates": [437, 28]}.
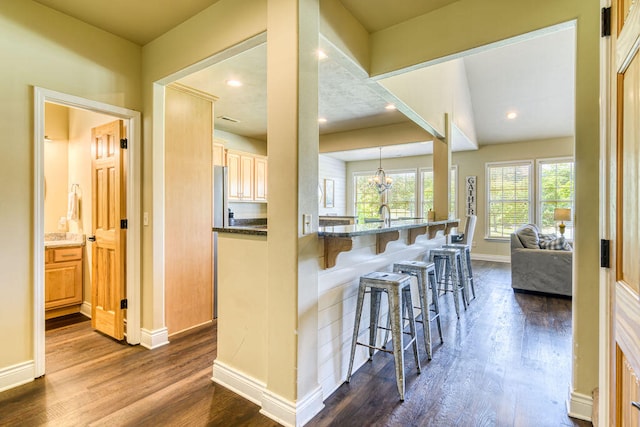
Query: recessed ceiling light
{"type": "Point", "coordinates": [512, 115]}
{"type": "Point", "coordinates": [390, 107]}
{"type": "Point", "coordinates": [234, 83]}
{"type": "Point", "coordinates": [321, 54]}
{"type": "Point", "coordinates": [322, 120]}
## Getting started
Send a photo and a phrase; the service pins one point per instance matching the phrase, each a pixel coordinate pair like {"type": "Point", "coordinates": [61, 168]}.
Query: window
{"type": "Point", "coordinates": [427, 190]}
{"type": "Point", "coordinates": [555, 190]}
{"type": "Point", "coordinates": [508, 197]}
{"type": "Point", "coordinates": [367, 199]}
{"type": "Point", "coordinates": [401, 198]}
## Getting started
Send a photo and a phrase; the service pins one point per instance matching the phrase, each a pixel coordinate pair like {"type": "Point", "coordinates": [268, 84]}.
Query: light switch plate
{"type": "Point", "coordinates": [306, 224]}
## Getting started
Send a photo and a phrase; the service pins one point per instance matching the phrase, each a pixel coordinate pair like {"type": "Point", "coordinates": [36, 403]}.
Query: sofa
{"type": "Point", "coordinates": [539, 262]}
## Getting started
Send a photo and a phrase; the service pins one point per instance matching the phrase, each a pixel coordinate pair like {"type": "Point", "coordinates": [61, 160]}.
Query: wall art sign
{"type": "Point", "coordinates": [471, 195]}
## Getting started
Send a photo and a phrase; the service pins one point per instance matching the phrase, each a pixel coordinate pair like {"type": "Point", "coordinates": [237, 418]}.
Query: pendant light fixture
{"type": "Point", "coordinates": [380, 181]}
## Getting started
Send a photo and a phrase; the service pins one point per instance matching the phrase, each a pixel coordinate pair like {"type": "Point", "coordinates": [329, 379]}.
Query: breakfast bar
{"type": "Point", "coordinates": [347, 252]}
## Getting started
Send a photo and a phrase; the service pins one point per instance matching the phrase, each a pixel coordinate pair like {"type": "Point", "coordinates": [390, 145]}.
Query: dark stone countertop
{"type": "Point", "coordinates": [377, 227]}
{"type": "Point", "coordinates": [248, 226]}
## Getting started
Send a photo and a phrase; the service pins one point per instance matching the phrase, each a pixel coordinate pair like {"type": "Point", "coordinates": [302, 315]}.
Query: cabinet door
{"type": "Point", "coordinates": [62, 284]}
{"type": "Point", "coordinates": [246, 179]}
{"type": "Point", "coordinates": [234, 174]}
{"type": "Point", "coordinates": [260, 187]}
{"type": "Point", "coordinates": [218, 154]}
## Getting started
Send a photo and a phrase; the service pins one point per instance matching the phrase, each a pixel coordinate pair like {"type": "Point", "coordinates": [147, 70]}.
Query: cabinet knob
{"type": "Point", "coordinates": [91, 238]}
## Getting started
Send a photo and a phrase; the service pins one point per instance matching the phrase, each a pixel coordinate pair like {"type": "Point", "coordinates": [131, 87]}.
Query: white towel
{"type": "Point", "coordinates": [72, 206]}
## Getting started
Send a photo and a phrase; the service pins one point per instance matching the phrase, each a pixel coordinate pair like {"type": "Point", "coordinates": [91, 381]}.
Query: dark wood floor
{"type": "Point", "coordinates": [506, 362]}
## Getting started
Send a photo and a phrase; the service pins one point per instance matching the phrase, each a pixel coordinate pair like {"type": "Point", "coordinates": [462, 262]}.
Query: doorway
{"type": "Point", "coordinates": [132, 124]}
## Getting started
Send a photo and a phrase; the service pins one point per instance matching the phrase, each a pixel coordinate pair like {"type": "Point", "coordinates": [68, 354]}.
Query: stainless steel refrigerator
{"type": "Point", "coordinates": [220, 220]}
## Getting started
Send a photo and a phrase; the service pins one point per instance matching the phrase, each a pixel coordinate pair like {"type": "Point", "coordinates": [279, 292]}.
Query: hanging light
{"type": "Point", "coordinates": [380, 181]}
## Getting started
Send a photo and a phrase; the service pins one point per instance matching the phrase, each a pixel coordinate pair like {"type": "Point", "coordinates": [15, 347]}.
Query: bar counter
{"type": "Point", "coordinates": [340, 238]}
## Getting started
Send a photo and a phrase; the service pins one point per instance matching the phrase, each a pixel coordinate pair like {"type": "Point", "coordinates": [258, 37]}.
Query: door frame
{"type": "Point", "coordinates": [607, 137]}
{"type": "Point", "coordinates": [133, 202]}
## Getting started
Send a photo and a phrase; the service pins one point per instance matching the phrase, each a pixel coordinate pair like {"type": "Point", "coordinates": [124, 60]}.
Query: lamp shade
{"type": "Point", "coordinates": [562, 214]}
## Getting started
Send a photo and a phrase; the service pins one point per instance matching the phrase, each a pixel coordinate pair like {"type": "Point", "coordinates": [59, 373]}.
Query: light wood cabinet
{"type": "Point", "coordinates": [218, 154]}
{"type": "Point", "coordinates": [260, 190]}
{"type": "Point", "coordinates": [62, 281]}
{"type": "Point", "coordinates": [247, 176]}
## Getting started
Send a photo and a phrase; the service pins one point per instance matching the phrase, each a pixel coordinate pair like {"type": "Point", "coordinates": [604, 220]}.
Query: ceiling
{"type": "Point", "coordinates": [533, 76]}
{"type": "Point", "coordinates": [139, 21]}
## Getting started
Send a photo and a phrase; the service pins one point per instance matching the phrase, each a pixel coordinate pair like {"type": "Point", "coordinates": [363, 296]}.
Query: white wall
{"type": "Point", "coordinates": [336, 170]}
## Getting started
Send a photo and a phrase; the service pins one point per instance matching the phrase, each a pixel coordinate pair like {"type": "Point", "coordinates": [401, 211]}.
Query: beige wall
{"type": "Point", "coordinates": [47, 49]}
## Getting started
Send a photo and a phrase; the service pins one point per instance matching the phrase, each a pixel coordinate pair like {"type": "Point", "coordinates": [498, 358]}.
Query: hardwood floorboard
{"type": "Point", "coordinates": [505, 362]}
{"type": "Point", "coordinates": [94, 380]}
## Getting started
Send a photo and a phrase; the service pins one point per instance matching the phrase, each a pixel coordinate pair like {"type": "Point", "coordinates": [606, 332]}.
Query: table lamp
{"type": "Point", "coordinates": [562, 215]}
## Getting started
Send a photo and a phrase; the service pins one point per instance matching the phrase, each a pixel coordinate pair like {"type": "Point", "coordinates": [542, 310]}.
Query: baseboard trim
{"type": "Point", "coordinates": [154, 339]}
{"type": "Point", "coordinates": [16, 375]}
{"type": "Point", "coordinates": [279, 409]}
{"type": "Point", "coordinates": [580, 406]}
{"type": "Point", "coordinates": [247, 387]}
{"type": "Point", "coordinates": [491, 257]}
{"type": "Point", "coordinates": [289, 413]}
{"type": "Point", "coordinates": [85, 309]}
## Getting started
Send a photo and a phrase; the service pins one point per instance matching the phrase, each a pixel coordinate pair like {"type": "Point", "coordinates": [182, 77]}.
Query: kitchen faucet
{"type": "Point", "coordinates": [386, 218]}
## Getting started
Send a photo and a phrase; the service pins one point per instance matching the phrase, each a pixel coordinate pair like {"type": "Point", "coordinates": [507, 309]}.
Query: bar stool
{"type": "Point", "coordinates": [465, 252]}
{"type": "Point", "coordinates": [449, 270]}
{"type": "Point", "coordinates": [398, 290]}
{"type": "Point", "coordinates": [425, 274]}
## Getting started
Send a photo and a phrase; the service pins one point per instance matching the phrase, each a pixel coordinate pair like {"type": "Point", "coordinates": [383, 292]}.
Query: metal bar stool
{"type": "Point", "coordinates": [449, 270]}
{"type": "Point", "coordinates": [425, 274]}
{"type": "Point", "coordinates": [398, 290]}
{"type": "Point", "coordinates": [468, 271]}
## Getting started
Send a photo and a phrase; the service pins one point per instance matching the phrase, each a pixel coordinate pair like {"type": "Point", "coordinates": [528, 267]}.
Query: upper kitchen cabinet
{"type": "Point", "coordinates": [247, 176]}
{"type": "Point", "coordinates": [218, 154]}
{"type": "Point", "coordinates": [260, 190]}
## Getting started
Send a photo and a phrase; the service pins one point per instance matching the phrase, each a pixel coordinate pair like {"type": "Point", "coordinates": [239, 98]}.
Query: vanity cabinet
{"type": "Point", "coordinates": [62, 281]}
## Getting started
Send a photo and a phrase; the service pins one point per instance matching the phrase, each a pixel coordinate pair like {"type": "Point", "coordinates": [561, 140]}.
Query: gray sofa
{"type": "Point", "coordinates": [540, 270]}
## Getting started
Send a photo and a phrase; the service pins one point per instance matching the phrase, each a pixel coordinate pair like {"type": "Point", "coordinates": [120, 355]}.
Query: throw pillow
{"type": "Point", "coordinates": [559, 244]}
{"type": "Point", "coordinates": [528, 235]}
{"type": "Point", "coordinates": [546, 237]}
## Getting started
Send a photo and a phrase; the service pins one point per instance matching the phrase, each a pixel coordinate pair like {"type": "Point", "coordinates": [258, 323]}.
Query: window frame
{"type": "Point", "coordinates": [531, 191]}
{"type": "Point", "coordinates": [551, 160]}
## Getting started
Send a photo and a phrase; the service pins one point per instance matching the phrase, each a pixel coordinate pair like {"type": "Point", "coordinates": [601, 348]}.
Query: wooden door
{"type": "Point", "coordinates": [108, 250]}
{"type": "Point", "coordinates": [624, 281]}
